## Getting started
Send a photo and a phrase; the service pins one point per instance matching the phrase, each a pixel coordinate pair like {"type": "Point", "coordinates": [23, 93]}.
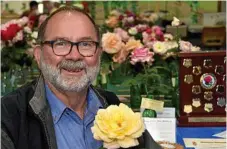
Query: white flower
{"type": "Point", "coordinates": [35, 35]}
{"type": "Point", "coordinates": [195, 48]}
{"type": "Point", "coordinates": [27, 29]}
{"type": "Point", "coordinates": [171, 45]}
{"type": "Point", "coordinates": [168, 37]}
{"type": "Point", "coordinates": [159, 47]}
{"type": "Point", "coordinates": [133, 31]}
{"type": "Point", "coordinates": [175, 22]}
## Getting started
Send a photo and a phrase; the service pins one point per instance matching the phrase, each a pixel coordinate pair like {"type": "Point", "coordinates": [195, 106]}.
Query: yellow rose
{"type": "Point", "coordinates": [111, 43]}
{"type": "Point", "coordinates": [112, 21]}
{"type": "Point", "coordinates": [118, 126]}
{"type": "Point", "coordinates": [133, 44]}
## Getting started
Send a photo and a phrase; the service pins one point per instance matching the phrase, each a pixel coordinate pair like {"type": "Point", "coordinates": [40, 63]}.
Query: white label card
{"type": "Point", "coordinates": [161, 129]}
{"type": "Point", "coordinates": [166, 113]}
{"type": "Point", "coordinates": [211, 143]}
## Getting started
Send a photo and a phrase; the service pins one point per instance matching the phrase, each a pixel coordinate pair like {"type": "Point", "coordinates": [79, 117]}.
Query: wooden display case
{"type": "Point", "coordinates": [202, 83]}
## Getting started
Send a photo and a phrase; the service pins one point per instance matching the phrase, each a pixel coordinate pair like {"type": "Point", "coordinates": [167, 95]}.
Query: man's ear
{"type": "Point", "coordinates": [37, 54]}
{"type": "Point", "coordinates": [100, 50]}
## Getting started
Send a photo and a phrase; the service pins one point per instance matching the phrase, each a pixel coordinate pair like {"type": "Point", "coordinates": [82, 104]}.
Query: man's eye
{"type": "Point", "coordinates": [86, 44]}
{"type": "Point", "coordinates": [60, 43]}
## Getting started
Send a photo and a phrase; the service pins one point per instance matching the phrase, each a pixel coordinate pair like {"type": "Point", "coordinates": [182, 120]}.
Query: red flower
{"type": "Point", "coordinates": [208, 79]}
{"type": "Point", "coordinates": [10, 32]}
{"type": "Point", "coordinates": [121, 17]}
{"type": "Point", "coordinates": [148, 31]}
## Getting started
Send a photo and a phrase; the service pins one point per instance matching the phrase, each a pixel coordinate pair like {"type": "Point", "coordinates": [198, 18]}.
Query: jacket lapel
{"type": "Point", "coordinates": [41, 108]}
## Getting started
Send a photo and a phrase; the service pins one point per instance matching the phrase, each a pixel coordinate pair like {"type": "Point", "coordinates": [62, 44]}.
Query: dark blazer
{"type": "Point", "coordinates": [27, 121]}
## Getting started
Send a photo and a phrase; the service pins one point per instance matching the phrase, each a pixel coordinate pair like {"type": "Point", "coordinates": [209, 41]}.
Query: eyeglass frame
{"type": "Point", "coordinates": [51, 42]}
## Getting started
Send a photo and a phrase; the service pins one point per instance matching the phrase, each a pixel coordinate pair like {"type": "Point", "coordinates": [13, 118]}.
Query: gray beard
{"type": "Point", "coordinates": [69, 83]}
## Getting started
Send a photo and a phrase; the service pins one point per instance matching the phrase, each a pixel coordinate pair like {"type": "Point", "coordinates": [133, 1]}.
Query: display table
{"type": "Point", "coordinates": [197, 132]}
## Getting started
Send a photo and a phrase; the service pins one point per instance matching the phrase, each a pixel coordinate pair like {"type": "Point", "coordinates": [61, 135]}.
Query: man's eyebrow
{"type": "Point", "coordinates": [85, 38]}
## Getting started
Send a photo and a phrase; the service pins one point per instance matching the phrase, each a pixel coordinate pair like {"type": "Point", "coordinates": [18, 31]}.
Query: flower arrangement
{"type": "Point", "coordinates": [16, 37]}
{"type": "Point", "coordinates": [149, 54]}
{"type": "Point", "coordinates": [118, 126]}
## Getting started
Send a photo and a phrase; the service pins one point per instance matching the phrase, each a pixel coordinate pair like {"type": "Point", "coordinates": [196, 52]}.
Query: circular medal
{"type": "Point", "coordinates": [208, 81]}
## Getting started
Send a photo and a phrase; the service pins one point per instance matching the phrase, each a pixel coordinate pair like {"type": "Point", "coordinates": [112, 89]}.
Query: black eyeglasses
{"type": "Point", "coordinates": [64, 47]}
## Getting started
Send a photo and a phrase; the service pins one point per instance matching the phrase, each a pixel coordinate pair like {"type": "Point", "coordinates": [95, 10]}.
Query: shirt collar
{"type": "Point", "coordinates": [93, 103]}
{"type": "Point", "coordinates": [58, 107]}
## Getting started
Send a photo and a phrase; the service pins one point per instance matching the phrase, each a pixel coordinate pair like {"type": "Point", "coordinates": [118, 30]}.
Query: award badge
{"type": "Point", "coordinates": [219, 70]}
{"type": "Point", "coordinates": [187, 109]}
{"type": "Point", "coordinates": [208, 95]}
{"type": "Point", "coordinates": [207, 63]}
{"type": "Point", "coordinates": [196, 102]}
{"type": "Point", "coordinates": [187, 63]}
{"type": "Point", "coordinates": [220, 89]}
{"type": "Point", "coordinates": [221, 101]}
{"type": "Point", "coordinates": [188, 79]}
{"type": "Point", "coordinates": [208, 107]}
{"type": "Point", "coordinates": [196, 70]}
{"type": "Point", "coordinates": [196, 89]}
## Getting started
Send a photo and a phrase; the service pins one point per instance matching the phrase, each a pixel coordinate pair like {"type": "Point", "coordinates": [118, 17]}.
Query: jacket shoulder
{"type": "Point", "coordinates": [110, 97]}
{"type": "Point", "coordinates": [17, 100]}
{"type": "Point", "coordinates": [14, 107]}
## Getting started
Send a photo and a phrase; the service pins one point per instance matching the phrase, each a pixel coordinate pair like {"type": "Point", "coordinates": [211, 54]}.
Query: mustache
{"type": "Point", "coordinates": [72, 65]}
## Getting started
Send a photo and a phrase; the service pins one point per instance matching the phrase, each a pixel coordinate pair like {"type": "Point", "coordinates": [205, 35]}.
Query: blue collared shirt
{"type": "Point", "coordinates": [71, 131]}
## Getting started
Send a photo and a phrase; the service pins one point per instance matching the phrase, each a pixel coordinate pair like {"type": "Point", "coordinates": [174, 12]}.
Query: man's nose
{"type": "Point", "coordinates": [74, 53]}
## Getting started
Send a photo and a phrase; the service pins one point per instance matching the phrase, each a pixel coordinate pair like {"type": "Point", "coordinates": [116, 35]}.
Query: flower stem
{"type": "Point", "coordinates": [146, 80]}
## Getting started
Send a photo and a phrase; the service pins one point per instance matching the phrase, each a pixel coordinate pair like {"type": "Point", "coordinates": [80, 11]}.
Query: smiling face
{"type": "Point", "coordinates": [72, 72]}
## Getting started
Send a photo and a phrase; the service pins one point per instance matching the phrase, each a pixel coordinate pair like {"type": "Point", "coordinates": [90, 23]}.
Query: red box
{"type": "Point", "coordinates": [202, 83]}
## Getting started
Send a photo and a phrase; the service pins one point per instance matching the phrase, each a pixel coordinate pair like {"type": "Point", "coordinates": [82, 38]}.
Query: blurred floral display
{"type": "Point", "coordinates": [17, 65]}
{"type": "Point", "coordinates": [17, 39]}
{"type": "Point", "coordinates": [136, 47]}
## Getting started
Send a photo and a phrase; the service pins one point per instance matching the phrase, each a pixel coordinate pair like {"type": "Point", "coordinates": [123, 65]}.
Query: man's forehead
{"type": "Point", "coordinates": [68, 13]}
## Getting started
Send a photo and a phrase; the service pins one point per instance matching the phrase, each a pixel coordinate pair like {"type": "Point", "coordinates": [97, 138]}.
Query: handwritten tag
{"type": "Point", "coordinates": [152, 104]}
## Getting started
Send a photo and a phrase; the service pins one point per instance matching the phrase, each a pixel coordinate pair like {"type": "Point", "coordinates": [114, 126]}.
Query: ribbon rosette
{"type": "Point", "coordinates": [118, 126]}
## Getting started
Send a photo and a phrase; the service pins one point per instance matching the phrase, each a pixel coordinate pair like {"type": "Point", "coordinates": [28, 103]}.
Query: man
{"type": "Point", "coordinates": [58, 110]}
{"type": "Point", "coordinates": [33, 8]}
{"type": "Point", "coordinates": [32, 14]}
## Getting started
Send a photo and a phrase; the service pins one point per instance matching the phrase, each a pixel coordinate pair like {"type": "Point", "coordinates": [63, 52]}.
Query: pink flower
{"type": "Point", "coordinates": [141, 55]}
{"type": "Point", "coordinates": [156, 29]}
{"type": "Point", "coordinates": [145, 37]}
{"type": "Point", "coordinates": [185, 46]}
{"type": "Point", "coordinates": [150, 44]}
{"type": "Point", "coordinates": [122, 33]}
{"type": "Point", "coordinates": [141, 27]}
